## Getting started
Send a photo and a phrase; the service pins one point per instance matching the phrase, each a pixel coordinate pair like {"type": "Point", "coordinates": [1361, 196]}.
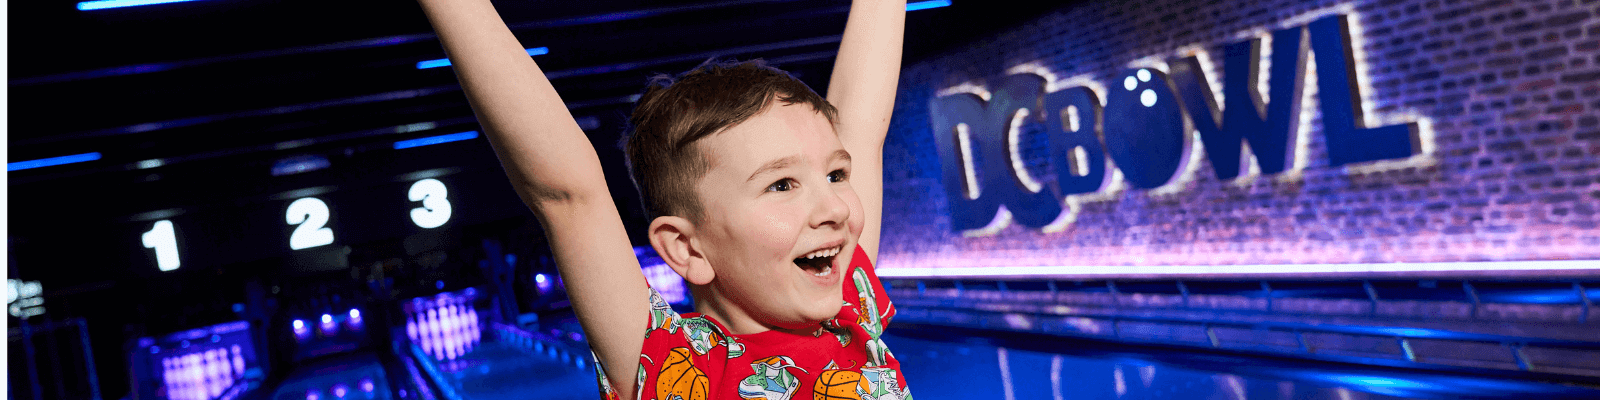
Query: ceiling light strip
{"type": "Point", "coordinates": [432, 140]}
{"type": "Point", "coordinates": [52, 161]}
{"type": "Point", "coordinates": [109, 4]}
{"type": "Point", "coordinates": [445, 62]}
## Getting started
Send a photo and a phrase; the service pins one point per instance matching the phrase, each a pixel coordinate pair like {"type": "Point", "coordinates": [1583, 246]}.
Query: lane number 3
{"type": "Point", "coordinates": [435, 210]}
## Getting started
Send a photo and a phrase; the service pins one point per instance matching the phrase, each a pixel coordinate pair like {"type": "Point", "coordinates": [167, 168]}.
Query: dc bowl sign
{"type": "Point", "coordinates": [1144, 126]}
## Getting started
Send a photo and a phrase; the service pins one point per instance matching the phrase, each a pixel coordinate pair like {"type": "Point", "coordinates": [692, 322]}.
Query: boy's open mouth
{"type": "Point", "coordinates": [820, 262]}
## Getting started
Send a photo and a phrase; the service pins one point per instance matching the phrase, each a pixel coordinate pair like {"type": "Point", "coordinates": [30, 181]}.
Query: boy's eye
{"type": "Point", "coordinates": [782, 185]}
{"type": "Point", "coordinates": [838, 176]}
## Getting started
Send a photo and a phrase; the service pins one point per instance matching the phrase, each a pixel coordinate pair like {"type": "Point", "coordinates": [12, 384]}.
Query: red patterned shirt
{"type": "Point", "coordinates": [691, 356]}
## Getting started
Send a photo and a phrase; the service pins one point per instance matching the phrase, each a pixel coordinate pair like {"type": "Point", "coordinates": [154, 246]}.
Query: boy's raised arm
{"type": "Point", "coordinates": [865, 77]}
{"type": "Point", "coordinates": [557, 173]}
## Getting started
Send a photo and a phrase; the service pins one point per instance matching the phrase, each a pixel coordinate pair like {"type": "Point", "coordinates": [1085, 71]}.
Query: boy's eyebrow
{"type": "Point", "coordinates": [785, 162]}
{"type": "Point", "coordinates": [777, 164]}
{"type": "Point", "coordinates": [840, 154]}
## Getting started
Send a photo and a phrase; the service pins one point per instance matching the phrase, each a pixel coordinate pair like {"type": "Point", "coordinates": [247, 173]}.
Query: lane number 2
{"type": "Point", "coordinates": [311, 216]}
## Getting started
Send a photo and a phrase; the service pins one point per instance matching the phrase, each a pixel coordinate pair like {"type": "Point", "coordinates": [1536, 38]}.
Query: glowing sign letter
{"type": "Point", "coordinates": [1148, 139]}
{"type": "Point", "coordinates": [1349, 141]}
{"type": "Point", "coordinates": [310, 214]}
{"type": "Point", "coordinates": [956, 126]}
{"type": "Point", "coordinates": [982, 138]}
{"type": "Point", "coordinates": [164, 239]}
{"type": "Point", "coordinates": [1016, 106]}
{"type": "Point", "coordinates": [435, 210]}
{"type": "Point", "coordinates": [1075, 151]}
{"type": "Point", "coordinates": [1271, 137]}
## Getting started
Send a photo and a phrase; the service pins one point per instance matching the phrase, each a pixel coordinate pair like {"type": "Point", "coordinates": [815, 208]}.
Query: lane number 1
{"type": "Point", "coordinates": [164, 240]}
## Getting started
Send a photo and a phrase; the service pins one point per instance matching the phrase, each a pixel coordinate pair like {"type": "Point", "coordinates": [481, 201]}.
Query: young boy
{"type": "Point", "coordinates": [765, 197]}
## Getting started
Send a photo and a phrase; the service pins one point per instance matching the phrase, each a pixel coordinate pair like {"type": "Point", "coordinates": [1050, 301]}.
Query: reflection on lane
{"type": "Point", "coordinates": [513, 363]}
{"type": "Point", "coordinates": [957, 363]}
{"type": "Point", "coordinates": [352, 377]}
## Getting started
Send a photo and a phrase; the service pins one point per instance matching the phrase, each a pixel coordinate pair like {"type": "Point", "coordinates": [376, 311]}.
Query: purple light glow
{"type": "Point", "coordinates": [366, 385]}
{"type": "Point", "coordinates": [340, 390]}
{"type": "Point", "coordinates": [1275, 269]}
{"type": "Point", "coordinates": [542, 282]}
{"type": "Point", "coordinates": [300, 330]}
{"type": "Point", "coordinates": [328, 327]}
{"type": "Point", "coordinates": [313, 395]}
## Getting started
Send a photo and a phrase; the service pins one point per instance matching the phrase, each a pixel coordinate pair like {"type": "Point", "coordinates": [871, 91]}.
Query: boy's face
{"type": "Point", "coordinates": [777, 192]}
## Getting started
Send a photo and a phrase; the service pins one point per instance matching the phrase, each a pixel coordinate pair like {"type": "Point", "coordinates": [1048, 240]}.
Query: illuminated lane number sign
{"type": "Point", "coordinates": [311, 217]}
{"type": "Point", "coordinates": [435, 210]}
{"type": "Point", "coordinates": [164, 240]}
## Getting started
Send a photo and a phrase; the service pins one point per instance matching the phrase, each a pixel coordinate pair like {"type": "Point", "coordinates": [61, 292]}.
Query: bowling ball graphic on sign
{"type": "Point", "coordinates": [1144, 128]}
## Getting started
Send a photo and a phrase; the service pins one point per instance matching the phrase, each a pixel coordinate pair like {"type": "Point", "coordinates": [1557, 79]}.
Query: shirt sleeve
{"type": "Point", "coordinates": [657, 340]}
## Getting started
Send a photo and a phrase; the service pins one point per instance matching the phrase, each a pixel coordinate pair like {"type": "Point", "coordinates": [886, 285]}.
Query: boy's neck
{"type": "Point", "coordinates": [710, 303]}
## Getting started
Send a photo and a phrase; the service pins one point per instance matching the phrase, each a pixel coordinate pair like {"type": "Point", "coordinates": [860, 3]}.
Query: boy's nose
{"type": "Point", "coordinates": [830, 208]}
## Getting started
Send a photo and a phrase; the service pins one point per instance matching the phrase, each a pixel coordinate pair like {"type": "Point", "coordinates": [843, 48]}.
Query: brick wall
{"type": "Point", "coordinates": [1510, 91]}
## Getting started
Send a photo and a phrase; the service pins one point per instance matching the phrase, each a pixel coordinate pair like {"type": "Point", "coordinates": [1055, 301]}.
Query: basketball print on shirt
{"type": "Point", "coordinates": [680, 379]}
{"type": "Point", "coordinates": [872, 383]}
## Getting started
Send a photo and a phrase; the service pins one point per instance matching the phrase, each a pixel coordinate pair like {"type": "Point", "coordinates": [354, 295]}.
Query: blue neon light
{"type": "Point", "coordinates": [105, 4]}
{"type": "Point", "coordinates": [52, 161]}
{"type": "Point", "coordinates": [445, 62]}
{"type": "Point", "coordinates": [454, 137]}
{"type": "Point", "coordinates": [923, 5]}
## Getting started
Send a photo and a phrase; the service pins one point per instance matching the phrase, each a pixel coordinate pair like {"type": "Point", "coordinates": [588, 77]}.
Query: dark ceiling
{"type": "Point", "coordinates": [185, 82]}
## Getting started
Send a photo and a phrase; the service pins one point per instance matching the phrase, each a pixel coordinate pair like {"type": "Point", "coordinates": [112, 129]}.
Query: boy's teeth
{"type": "Point", "coordinates": [825, 271]}
{"type": "Point", "coordinates": [823, 253]}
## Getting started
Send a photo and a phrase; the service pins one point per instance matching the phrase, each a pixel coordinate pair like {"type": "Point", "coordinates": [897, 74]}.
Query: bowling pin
{"type": "Point", "coordinates": [411, 327]}
{"type": "Point", "coordinates": [181, 377]}
{"type": "Point", "coordinates": [190, 367]}
{"type": "Point", "coordinates": [449, 331]}
{"type": "Point", "coordinates": [455, 330]}
{"type": "Point", "coordinates": [422, 328]}
{"type": "Point", "coordinates": [203, 367]}
{"type": "Point", "coordinates": [213, 375]}
{"type": "Point", "coordinates": [434, 341]}
{"type": "Point", "coordinates": [224, 371]}
{"type": "Point", "coordinates": [166, 375]}
{"type": "Point", "coordinates": [238, 362]}
{"type": "Point", "coordinates": [472, 320]}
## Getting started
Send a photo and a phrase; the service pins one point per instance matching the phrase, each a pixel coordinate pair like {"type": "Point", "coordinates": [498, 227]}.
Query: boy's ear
{"type": "Point", "coordinates": [675, 242]}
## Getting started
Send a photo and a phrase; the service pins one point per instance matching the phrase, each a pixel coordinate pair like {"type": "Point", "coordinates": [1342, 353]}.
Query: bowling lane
{"type": "Point", "coordinates": [963, 363]}
{"type": "Point", "coordinates": [505, 371]}
{"type": "Point", "coordinates": [471, 359]}
{"type": "Point", "coordinates": [358, 376]}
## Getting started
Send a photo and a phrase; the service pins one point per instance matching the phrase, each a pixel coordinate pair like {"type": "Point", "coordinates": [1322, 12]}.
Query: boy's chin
{"type": "Point", "coordinates": [823, 310]}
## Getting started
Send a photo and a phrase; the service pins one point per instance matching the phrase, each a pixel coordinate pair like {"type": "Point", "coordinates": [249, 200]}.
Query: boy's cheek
{"type": "Point", "coordinates": [777, 230]}
{"type": "Point", "coordinates": [858, 217]}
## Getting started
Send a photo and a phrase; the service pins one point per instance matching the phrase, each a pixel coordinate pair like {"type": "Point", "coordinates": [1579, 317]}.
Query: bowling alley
{"type": "Point", "coordinates": [822, 200]}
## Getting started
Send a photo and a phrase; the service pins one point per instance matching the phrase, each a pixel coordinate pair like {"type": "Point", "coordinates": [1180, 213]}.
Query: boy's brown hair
{"type": "Point", "coordinates": [674, 113]}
